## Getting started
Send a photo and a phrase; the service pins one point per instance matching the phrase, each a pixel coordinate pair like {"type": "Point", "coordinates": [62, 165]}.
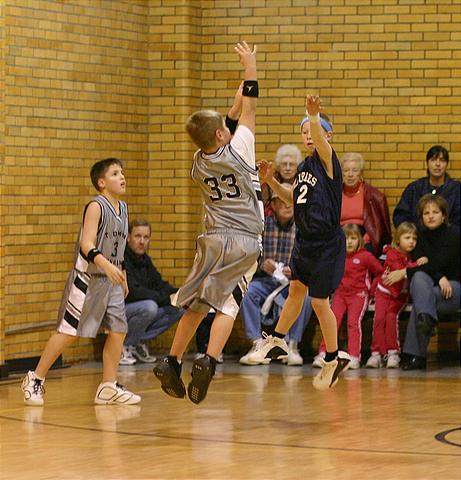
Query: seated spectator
{"type": "Point", "coordinates": [437, 182]}
{"type": "Point", "coordinates": [269, 287]}
{"type": "Point", "coordinates": [391, 296]}
{"type": "Point", "coordinates": [435, 286]}
{"type": "Point", "coordinates": [148, 309]}
{"type": "Point", "coordinates": [287, 159]}
{"type": "Point", "coordinates": [364, 205]}
{"type": "Point", "coordinates": [351, 297]}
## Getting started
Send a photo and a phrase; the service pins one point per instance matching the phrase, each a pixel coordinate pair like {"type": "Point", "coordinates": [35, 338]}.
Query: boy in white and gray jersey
{"type": "Point", "coordinates": [96, 288]}
{"type": "Point", "coordinates": [224, 170]}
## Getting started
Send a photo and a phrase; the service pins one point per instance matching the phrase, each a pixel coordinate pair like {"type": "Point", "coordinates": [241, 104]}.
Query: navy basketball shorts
{"type": "Point", "coordinates": [319, 264]}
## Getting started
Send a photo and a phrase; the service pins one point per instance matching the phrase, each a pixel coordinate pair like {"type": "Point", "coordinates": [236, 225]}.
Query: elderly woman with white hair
{"type": "Point", "coordinates": [364, 205]}
{"type": "Point", "coordinates": [287, 159]}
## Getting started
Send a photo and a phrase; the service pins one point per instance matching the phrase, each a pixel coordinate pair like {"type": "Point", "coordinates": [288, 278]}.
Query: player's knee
{"type": "Point", "coordinates": [320, 303]}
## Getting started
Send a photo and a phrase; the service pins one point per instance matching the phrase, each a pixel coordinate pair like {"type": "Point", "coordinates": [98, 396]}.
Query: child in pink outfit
{"type": "Point", "coordinates": [351, 296]}
{"type": "Point", "coordinates": [391, 296]}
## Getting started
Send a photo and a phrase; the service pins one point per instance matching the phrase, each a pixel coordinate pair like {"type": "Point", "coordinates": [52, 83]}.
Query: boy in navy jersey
{"type": "Point", "coordinates": [317, 260]}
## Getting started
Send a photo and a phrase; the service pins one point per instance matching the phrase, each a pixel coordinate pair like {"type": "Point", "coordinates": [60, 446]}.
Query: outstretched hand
{"type": "Point", "coordinates": [247, 56]}
{"type": "Point", "coordinates": [265, 170]}
{"type": "Point", "coordinates": [313, 105]}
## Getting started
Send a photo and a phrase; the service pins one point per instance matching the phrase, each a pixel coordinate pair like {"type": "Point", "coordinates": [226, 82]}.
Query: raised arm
{"type": "Point", "coordinates": [250, 85]}
{"type": "Point", "coordinates": [321, 143]}
{"type": "Point", "coordinates": [232, 117]}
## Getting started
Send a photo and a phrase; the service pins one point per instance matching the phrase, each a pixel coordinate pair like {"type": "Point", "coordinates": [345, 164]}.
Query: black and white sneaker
{"type": "Point", "coordinates": [202, 373]}
{"type": "Point", "coordinates": [329, 375]}
{"type": "Point", "coordinates": [141, 353]}
{"type": "Point", "coordinates": [168, 371]}
{"type": "Point", "coordinates": [33, 389]}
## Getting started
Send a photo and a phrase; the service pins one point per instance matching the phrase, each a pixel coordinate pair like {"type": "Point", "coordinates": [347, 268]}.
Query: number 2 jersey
{"type": "Point", "coordinates": [229, 185]}
{"type": "Point", "coordinates": [317, 199]}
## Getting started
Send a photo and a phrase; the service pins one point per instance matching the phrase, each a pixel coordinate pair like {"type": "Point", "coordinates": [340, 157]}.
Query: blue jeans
{"type": "Point", "coordinates": [147, 320]}
{"type": "Point", "coordinates": [427, 298]}
{"type": "Point", "coordinates": [250, 309]}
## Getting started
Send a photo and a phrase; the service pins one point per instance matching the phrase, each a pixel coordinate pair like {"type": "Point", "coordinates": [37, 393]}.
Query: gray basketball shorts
{"type": "Point", "coordinates": [223, 266]}
{"type": "Point", "coordinates": [89, 302]}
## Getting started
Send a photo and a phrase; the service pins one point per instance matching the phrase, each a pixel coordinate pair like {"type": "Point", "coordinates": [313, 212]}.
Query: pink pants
{"type": "Point", "coordinates": [356, 307]}
{"type": "Point", "coordinates": [386, 323]}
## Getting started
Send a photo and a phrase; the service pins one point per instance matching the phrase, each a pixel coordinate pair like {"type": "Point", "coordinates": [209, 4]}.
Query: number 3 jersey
{"type": "Point", "coordinates": [317, 199]}
{"type": "Point", "coordinates": [111, 236]}
{"type": "Point", "coordinates": [229, 185]}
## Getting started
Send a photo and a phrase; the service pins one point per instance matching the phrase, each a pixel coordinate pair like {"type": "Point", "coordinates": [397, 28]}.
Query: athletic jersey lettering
{"type": "Point", "coordinates": [230, 190]}
{"type": "Point", "coordinates": [111, 236]}
{"type": "Point", "coordinates": [317, 198]}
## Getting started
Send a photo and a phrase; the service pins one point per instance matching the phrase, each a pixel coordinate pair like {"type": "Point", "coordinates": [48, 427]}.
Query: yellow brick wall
{"type": "Point", "coordinates": [2, 152]}
{"type": "Point", "coordinates": [76, 91]}
{"type": "Point", "coordinates": [85, 80]}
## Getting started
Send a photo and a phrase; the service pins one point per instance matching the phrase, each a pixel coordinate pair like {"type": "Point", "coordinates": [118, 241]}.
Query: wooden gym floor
{"type": "Point", "coordinates": [264, 422]}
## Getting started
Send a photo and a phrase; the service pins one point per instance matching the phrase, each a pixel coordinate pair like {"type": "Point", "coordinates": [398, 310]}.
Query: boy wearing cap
{"type": "Point", "coordinates": [317, 260]}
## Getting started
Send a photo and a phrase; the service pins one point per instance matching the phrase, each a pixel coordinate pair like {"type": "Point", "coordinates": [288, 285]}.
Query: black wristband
{"type": "Point", "coordinates": [231, 124]}
{"type": "Point", "coordinates": [250, 88]}
{"type": "Point", "coordinates": [92, 254]}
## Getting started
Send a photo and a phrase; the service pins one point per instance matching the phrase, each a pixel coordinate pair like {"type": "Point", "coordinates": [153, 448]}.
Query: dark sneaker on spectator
{"type": "Point", "coordinates": [414, 362]}
{"type": "Point", "coordinates": [141, 353]}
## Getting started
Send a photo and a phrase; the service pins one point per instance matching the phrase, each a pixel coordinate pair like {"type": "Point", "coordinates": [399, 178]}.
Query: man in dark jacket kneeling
{"type": "Point", "coordinates": [148, 308]}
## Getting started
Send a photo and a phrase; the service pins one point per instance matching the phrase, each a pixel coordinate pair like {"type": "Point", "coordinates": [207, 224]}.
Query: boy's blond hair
{"type": "Point", "coordinates": [201, 127]}
{"type": "Point", "coordinates": [404, 227]}
{"type": "Point", "coordinates": [350, 229]}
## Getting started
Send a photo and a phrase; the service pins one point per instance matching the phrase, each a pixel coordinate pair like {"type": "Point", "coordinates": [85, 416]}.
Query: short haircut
{"type": "Point", "coordinates": [201, 127]}
{"type": "Point", "coordinates": [99, 169]}
{"type": "Point", "coordinates": [435, 199]}
{"type": "Point", "coordinates": [288, 150]}
{"type": "Point", "coordinates": [437, 151]}
{"type": "Point", "coordinates": [404, 227]}
{"type": "Point", "coordinates": [353, 157]}
{"type": "Point", "coordinates": [353, 230]}
{"type": "Point", "coordinates": [140, 222]}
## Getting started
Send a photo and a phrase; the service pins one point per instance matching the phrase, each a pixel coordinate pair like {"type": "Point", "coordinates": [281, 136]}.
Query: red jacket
{"type": "Point", "coordinates": [395, 260]}
{"type": "Point", "coordinates": [376, 220]}
{"type": "Point", "coordinates": [359, 268]}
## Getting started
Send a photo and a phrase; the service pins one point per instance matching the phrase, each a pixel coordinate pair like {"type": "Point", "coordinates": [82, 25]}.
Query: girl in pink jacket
{"type": "Point", "coordinates": [351, 296]}
{"type": "Point", "coordinates": [391, 296]}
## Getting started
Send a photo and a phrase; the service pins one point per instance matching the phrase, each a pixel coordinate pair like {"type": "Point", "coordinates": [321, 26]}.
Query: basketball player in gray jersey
{"type": "Point", "coordinates": [225, 173]}
{"type": "Point", "coordinates": [95, 290]}
{"type": "Point", "coordinates": [224, 170]}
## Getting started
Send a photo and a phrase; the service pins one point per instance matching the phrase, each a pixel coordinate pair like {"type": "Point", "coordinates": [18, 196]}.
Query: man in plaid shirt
{"type": "Point", "coordinates": [269, 287]}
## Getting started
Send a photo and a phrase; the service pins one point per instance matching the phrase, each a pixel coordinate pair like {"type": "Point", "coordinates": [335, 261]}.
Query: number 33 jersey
{"type": "Point", "coordinates": [229, 185]}
{"type": "Point", "coordinates": [317, 199]}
